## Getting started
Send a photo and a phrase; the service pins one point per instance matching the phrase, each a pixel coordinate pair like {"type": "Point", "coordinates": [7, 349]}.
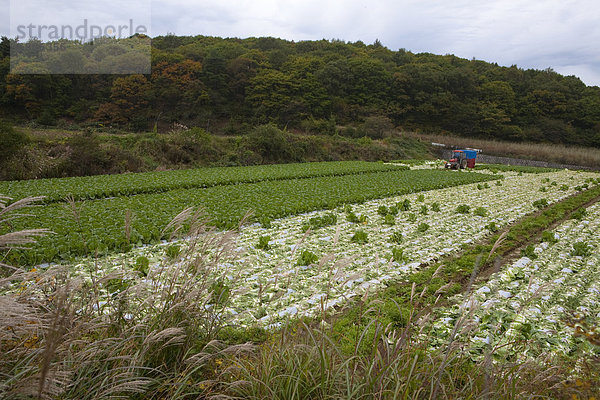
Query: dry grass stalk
{"type": "Point", "coordinates": [115, 335]}
{"type": "Point", "coordinates": [17, 239]}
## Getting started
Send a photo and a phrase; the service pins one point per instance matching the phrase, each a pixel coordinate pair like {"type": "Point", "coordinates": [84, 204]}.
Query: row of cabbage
{"type": "Point", "coordinates": [284, 272]}
{"type": "Point", "coordinates": [99, 226]}
{"type": "Point", "coordinates": [102, 186]}
{"type": "Point", "coordinates": [550, 300]}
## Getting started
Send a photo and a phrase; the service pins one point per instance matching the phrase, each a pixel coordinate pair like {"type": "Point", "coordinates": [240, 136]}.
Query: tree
{"type": "Point", "coordinates": [271, 94]}
{"type": "Point", "coordinates": [497, 105]}
{"type": "Point", "coordinates": [4, 47]}
{"type": "Point", "coordinates": [377, 126]}
{"type": "Point", "coordinates": [177, 89]}
{"type": "Point", "coordinates": [240, 70]}
{"type": "Point", "coordinates": [29, 91]}
{"type": "Point", "coordinates": [129, 100]}
{"type": "Point", "coordinates": [271, 143]}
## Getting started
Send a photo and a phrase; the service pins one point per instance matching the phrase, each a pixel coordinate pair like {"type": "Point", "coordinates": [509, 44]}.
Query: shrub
{"type": "Point", "coordinates": [435, 207]}
{"type": "Point", "coordinates": [541, 203]}
{"type": "Point", "coordinates": [411, 217]}
{"type": "Point", "coordinates": [12, 141]}
{"type": "Point", "coordinates": [377, 126]}
{"type": "Point", "coordinates": [549, 237]}
{"type": "Point", "coordinates": [393, 210]}
{"type": "Point", "coordinates": [463, 209]}
{"type": "Point", "coordinates": [424, 210]}
{"type": "Point", "coordinates": [543, 189]}
{"type": "Point", "coordinates": [307, 258]}
{"type": "Point", "coordinates": [422, 227]}
{"type": "Point", "coordinates": [581, 249]}
{"type": "Point", "coordinates": [172, 251]}
{"type": "Point", "coordinates": [421, 198]}
{"type": "Point", "coordinates": [396, 237]}
{"type": "Point", "coordinates": [349, 131]}
{"type": "Point", "coordinates": [564, 188]}
{"type": "Point", "coordinates": [389, 220]}
{"type": "Point", "coordinates": [263, 243]}
{"type": "Point", "coordinates": [87, 156]}
{"type": "Point", "coordinates": [482, 212]}
{"type": "Point", "coordinates": [403, 205]}
{"type": "Point", "coordinates": [271, 143]}
{"type": "Point", "coordinates": [492, 227]}
{"type": "Point", "coordinates": [579, 214]}
{"type": "Point", "coordinates": [382, 210]}
{"type": "Point", "coordinates": [398, 255]}
{"type": "Point", "coordinates": [360, 237]}
{"type": "Point", "coordinates": [319, 126]}
{"type": "Point", "coordinates": [142, 265]}
{"type": "Point", "coordinates": [529, 252]}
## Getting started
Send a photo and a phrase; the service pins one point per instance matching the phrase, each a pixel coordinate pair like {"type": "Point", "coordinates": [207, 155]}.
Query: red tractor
{"type": "Point", "coordinates": [462, 159]}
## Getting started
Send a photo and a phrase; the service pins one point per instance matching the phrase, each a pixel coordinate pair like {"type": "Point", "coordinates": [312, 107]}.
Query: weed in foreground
{"type": "Point", "coordinates": [149, 331]}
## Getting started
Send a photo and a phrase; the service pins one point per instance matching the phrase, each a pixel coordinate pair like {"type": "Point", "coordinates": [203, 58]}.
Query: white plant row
{"type": "Point", "coordinates": [532, 300]}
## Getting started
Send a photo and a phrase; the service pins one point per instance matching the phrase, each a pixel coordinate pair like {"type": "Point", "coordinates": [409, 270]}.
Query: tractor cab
{"type": "Point", "coordinates": [462, 159]}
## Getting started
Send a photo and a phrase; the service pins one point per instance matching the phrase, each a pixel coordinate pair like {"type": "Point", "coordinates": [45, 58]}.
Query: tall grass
{"type": "Point", "coordinates": [125, 334]}
{"type": "Point", "coordinates": [573, 155]}
{"type": "Point", "coordinates": [8, 238]}
{"type": "Point", "coordinates": [304, 362]}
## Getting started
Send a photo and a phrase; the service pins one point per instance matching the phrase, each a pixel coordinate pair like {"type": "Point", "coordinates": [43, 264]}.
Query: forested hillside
{"type": "Point", "coordinates": [229, 85]}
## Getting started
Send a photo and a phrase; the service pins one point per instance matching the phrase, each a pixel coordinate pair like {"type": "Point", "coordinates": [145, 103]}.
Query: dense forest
{"type": "Point", "coordinates": [226, 86]}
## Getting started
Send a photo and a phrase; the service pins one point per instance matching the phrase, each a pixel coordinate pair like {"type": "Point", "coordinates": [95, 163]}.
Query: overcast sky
{"type": "Point", "coordinates": [561, 34]}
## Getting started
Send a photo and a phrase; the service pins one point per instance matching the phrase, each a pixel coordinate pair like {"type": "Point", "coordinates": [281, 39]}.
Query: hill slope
{"type": "Point", "coordinates": [316, 86]}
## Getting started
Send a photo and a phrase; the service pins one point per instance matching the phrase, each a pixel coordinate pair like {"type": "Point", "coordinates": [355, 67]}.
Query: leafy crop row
{"type": "Point", "coordinates": [535, 298]}
{"type": "Point", "coordinates": [98, 226]}
{"type": "Point", "coordinates": [103, 186]}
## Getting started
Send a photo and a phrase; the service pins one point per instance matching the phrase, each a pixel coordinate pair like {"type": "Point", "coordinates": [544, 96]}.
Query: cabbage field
{"type": "Point", "coordinates": [300, 264]}
{"type": "Point", "coordinates": [544, 297]}
{"type": "Point", "coordinates": [98, 226]}
{"type": "Point", "coordinates": [321, 236]}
